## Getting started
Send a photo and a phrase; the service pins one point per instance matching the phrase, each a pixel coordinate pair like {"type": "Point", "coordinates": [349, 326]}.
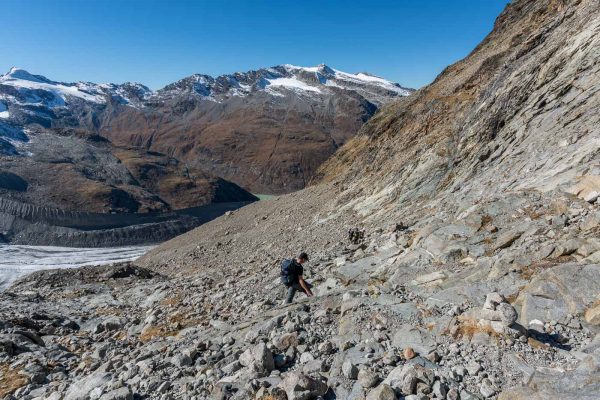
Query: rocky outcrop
{"type": "Point", "coordinates": [580, 383]}
{"type": "Point", "coordinates": [559, 292]}
{"type": "Point", "coordinates": [494, 121]}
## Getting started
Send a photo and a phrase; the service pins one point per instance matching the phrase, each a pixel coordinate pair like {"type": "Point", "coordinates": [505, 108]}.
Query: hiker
{"type": "Point", "coordinates": [291, 277]}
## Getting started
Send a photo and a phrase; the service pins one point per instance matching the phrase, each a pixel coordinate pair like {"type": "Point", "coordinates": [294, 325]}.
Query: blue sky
{"type": "Point", "coordinates": [158, 42]}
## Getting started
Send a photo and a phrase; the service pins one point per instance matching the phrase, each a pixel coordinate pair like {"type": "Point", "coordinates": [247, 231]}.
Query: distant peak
{"type": "Point", "coordinates": [324, 69]}
{"type": "Point", "coordinates": [20, 73]}
{"type": "Point", "coordinates": [321, 68]}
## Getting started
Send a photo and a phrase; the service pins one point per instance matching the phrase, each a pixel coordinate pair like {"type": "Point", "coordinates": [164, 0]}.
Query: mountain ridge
{"type": "Point", "coordinates": [287, 119]}
{"type": "Point", "coordinates": [322, 72]}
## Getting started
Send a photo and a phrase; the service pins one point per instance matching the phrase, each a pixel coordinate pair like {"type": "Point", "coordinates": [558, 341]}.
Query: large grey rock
{"type": "Point", "coordinates": [396, 377]}
{"type": "Point", "coordinates": [559, 291]}
{"type": "Point", "coordinates": [349, 370]}
{"type": "Point", "coordinates": [367, 378]}
{"type": "Point", "coordinates": [506, 239]}
{"type": "Point", "coordinates": [382, 392]}
{"type": "Point", "coordinates": [259, 357]}
{"type": "Point", "coordinates": [582, 383]}
{"type": "Point", "coordinates": [299, 386]}
{"type": "Point", "coordinates": [495, 308]}
{"type": "Point", "coordinates": [418, 339]}
{"type": "Point", "coordinates": [181, 360]}
{"type": "Point", "coordinates": [80, 390]}
{"type": "Point", "coordinates": [283, 342]}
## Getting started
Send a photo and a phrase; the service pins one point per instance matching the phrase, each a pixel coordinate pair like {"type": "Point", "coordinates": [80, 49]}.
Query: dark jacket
{"type": "Point", "coordinates": [291, 271]}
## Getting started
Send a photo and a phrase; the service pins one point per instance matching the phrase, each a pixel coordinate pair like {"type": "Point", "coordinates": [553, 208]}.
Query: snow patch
{"type": "Point", "coordinates": [22, 79]}
{"type": "Point", "coordinates": [4, 114]}
{"type": "Point", "coordinates": [362, 77]}
{"type": "Point", "coordinates": [295, 67]}
{"type": "Point", "coordinates": [292, 84]}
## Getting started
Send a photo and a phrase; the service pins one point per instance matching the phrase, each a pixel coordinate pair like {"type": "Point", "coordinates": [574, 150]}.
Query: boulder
{"type": "Point", "coordinates": [367, 379]}
{"type": "Point", "coordinates": [382, 392]}
{"type": "Point", "coordinates": [299, 386]}
{"type": "Point", "coordinates": [508, 314]}
{"type": "Point", "coordinates": [592, 314]}
{"type": "Point", "coordinates": [259, 357]}
{"type": "Point", "coordinates": [181, 360]}
{"type": "Point", "coordinates": [506, 239]}
{"type": "Point", "coordinates": [306, 357]}
{"type": "Point", "coordinates": [420, 340]}
{"type": "Point", "coordinates": [81, 389]}
{"type": "Point", "coordinates": [587, 188]}
{"type": "Point", "coordinates": [396, 376]}
{"type": "Point", "coordinates": [7, 346]}
{"type": "Point", "coordinates": [283, 342]}
{"type": "Point", "coordinates": [349, 370]}
{"type": "Point", "coordinates": [559, 291]}
{"type": "Point", "coordinates": [582, 383]}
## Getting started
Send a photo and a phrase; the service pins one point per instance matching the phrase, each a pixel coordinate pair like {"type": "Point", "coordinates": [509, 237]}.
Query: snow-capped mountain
{"type": "Point", "coordinates": [21, 88]}
{"type": "Point", "coordinates": [279, 79]}
{"type": "Point", "coordinates": [267, 130]}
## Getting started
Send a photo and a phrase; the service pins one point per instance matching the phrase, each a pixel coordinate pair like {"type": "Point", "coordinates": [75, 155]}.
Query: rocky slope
{"type": "Point", "coordinates": [471, 270]}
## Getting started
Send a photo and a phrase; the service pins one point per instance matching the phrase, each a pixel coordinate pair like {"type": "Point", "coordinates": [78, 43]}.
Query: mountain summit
{"type": "Point", "coordinates": [281, 78]}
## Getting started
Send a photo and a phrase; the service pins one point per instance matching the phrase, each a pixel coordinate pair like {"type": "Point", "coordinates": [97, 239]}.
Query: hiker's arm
{"type": "Point", "coordinates": [304, 286]}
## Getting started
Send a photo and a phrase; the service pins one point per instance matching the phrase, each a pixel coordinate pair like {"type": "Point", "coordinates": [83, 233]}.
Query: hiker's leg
{"type": "Point", "coordinates": [291, 292]}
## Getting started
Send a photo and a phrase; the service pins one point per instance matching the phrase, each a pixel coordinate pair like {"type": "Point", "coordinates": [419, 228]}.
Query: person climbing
{"type": "Point", "coordinates": [291, 277]}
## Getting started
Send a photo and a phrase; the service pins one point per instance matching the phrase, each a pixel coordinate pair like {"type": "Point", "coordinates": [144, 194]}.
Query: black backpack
{"type": "Point", "coordinates": [287, 272]}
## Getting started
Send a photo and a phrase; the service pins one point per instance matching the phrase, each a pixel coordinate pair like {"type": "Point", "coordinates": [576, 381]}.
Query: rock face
{"type": "Point", "coordinates": [558, 292]}
{"type": "Point", "coordinates": [491, 122]}
{"type": "Point", "coordinates": [474, 252]}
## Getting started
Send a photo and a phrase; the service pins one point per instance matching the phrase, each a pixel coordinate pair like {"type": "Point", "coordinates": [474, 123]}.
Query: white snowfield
{"type": "Point", "coordinates": [330, 75]}
{"type": "Point", "coordinates": [292, 84]}
{"type": "Point", "coordinates": [4, 114]}
{"type": "Point", "coordinates": [17, 261]}
{"type": "Point", "coordinates": [21, 79]}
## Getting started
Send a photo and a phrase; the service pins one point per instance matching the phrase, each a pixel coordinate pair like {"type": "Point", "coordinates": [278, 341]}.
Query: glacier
{"type": "Point", "coordinates": [17, 261]}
